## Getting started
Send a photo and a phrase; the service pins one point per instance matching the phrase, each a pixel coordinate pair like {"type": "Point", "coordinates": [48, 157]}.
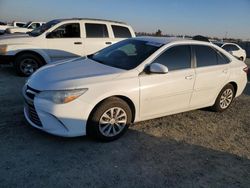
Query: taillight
{"type": "Point", "coordinates": [245, 69]}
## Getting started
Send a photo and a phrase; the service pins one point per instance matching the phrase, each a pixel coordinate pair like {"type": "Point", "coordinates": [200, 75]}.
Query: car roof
{"type": "Point", "coordinates": [167, 40]}
{"type": "Point", "coordinates": [90, 19]}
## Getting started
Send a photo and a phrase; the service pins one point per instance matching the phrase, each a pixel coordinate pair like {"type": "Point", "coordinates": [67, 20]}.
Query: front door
{"type": "Point", "coordinates": [162, 94]}
{"type": "Point", "coordinates": [65, 42]}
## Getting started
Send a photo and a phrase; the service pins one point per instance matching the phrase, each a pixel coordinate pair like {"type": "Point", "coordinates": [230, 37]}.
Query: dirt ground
{"type": "Point", "coordinates": [194, 149]}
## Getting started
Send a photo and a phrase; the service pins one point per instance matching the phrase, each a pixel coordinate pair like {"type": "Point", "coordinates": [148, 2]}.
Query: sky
{"type": "Point", "coordinates": [214, 18]}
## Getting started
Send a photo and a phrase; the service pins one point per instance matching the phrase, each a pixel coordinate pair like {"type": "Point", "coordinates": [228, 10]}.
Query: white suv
{"type": "Point", "coordinates": [60, 39]}
{"type": "Point", "coordinates": [133, 80]}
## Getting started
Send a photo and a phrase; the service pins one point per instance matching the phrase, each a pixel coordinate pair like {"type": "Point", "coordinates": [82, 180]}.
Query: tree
{"type": "Point", "coordinates": [158, 32]}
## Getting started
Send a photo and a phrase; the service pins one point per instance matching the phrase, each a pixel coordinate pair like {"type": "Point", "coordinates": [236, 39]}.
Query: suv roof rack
{"type": "Point", "coordinates": [95, 19]}
{"type": "Point", "coordinates": [200, 38]}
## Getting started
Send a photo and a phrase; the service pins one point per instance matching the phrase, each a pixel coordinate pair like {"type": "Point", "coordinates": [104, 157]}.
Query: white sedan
{"type": "Point", "coordinates": [233, 49]}
{"type": "Point", "coordinates": [134, 80]}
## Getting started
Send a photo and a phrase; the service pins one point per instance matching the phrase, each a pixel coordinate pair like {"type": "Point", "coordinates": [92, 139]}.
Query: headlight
{"type": "Point", "coordinates": [3, 49]}
{"type": "Point", "coordinates": [61, 97]}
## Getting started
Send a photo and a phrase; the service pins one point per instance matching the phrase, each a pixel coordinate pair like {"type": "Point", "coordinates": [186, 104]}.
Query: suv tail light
{"type": "Point", "coordinates": [246, 70]}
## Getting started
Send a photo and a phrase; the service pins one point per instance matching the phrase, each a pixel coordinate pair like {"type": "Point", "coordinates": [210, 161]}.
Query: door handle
{"type": "Point", "coordinates": [190, 77]}
{"type": "Point", "coordinates": [108, 43]}
{"type": "Point", "coordinates": [77, 42]}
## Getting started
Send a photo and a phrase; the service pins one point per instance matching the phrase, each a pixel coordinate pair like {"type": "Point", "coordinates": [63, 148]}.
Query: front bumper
{"type": "Point", "coordinates": [6, 59]}
{"type": "Point", "coordinates": [66, 120]}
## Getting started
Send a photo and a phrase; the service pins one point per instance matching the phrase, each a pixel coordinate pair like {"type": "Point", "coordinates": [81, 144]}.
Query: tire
{"type": "Point", "coordinates": [27, 64]}
{"type": "Point", "coordinates": [100, 124]}
{"type": "Point", "coordinates": [241, 58]}
{"type": "Point", "coordinates": [224, 99]}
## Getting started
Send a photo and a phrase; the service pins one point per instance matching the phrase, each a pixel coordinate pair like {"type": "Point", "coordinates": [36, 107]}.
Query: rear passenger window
{"type": "Point", "coordinates": [96, 30]}
{"type": "Point", "coordinates": [222, 59]}
{"type": "Point", "coordinates": [176, 58]}
{"type": "Point", "coordinates": [121, 32]}
{"type": "Point", "coordinates": [205, 56]}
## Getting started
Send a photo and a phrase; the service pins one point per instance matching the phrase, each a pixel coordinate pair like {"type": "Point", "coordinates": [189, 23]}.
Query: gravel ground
{"type": "Point", "coordinates": [194, 149]}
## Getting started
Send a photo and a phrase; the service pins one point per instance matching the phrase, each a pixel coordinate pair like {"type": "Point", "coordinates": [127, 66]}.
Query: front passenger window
{"type": "Point", "coordinates": [71, 30]}
{"type": "Point", "coordinates": [176, 58]}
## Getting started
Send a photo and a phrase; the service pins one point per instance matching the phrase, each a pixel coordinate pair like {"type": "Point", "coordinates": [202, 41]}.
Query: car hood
{"type": "Point", "coordinates": [15, 39]}
{"type": "Point", "coordinates": [71, 75]}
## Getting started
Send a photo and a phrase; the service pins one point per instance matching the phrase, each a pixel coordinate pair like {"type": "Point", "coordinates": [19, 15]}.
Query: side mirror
{"type": "Point", "coordinates": [231, 52]}
{"type": "Point", "coordinates": [158, 68]}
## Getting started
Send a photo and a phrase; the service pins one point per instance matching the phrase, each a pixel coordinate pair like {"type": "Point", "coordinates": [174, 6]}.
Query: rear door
{"type": "Point", "coordinates": [212, 73]}
{"type": "Point", "coordinates": [120, 33]}
{"type": "Point", "coordinates": [65, 42]}
{"type": "Point", "coordinates": [96, 38]}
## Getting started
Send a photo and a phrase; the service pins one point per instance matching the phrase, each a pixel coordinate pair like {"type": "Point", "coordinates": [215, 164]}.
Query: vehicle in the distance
{"type": "Point", "coordinates": [4, 26]}
{"type": "Point", "coordinates": [60, 39]}
{"type": "Point", "coordinates": [133, 80]}
{"type": "Point", "coordinates": [233, 49]}
{"type": "Point", "coordinates": [30, 26]}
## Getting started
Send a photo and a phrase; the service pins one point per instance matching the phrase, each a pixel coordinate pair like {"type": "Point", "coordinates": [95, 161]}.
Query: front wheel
{"type": "Point", "coordinates": [110, 120]}
{"type": "Point", "coordinates": [224, 98]}
{"type": "Point", "coordinates": [27, 64]}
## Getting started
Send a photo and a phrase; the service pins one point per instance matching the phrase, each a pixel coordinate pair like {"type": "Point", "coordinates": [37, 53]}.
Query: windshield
{"type": "Point", "coordinates": [26, 25]}
{"type": "Point", "coordinates": [40, 30]}
{"type": "Point", "coordinates": [218, 44]}
{"type": "Point", "coordinates": [126, 54]}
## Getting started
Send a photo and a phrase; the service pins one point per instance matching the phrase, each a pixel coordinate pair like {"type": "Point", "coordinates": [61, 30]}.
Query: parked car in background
{"type": "Point", "coordinates": [25, 28]}
{"type": "Point", "coordinates": [4, 26]}
{"type": "Point", "coordinates": [233, 49]}
{"type": "Point", "coordinates": [133, 80]}
{"type": "Point", "coordinates": [18, 24]}
{"type": "Point", "coordinates": [60, 39]}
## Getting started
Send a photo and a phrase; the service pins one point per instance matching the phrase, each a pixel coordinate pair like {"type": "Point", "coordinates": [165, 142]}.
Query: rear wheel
{"type": "Point", "coordinates": [110, 120]}
{"type": "Point", "coordinates": [224, 98]}
{"type": "Point", "coordinates": [27, 64]}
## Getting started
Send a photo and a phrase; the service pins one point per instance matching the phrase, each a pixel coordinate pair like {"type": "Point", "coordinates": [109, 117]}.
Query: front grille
{"type": "Point", "coordinates": [30, 94]}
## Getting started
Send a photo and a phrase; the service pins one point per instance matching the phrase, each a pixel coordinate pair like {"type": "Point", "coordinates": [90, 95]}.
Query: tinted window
{"type": "Point", "coordinates": [96, 30]}
{"type": "Point", "coordinates": [205, 56]}
{"type": "Point", "coordinates": [176, 58]}
{"type": "Point", "coordinates": [121, 32]}
{"type": "Point", "coordinates": [71, 30]}
{"type": "Point", "coordinates": [222, 59]}
{"type": "Point", "coordinates": [20, 24]}
{"type": "Point", "coordinates": [230, 47]}
{"type": "Point", "coordinates": [126, 54]}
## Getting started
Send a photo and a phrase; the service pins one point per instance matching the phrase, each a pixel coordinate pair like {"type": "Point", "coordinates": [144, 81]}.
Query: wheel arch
{"type": "Point", "coordinates": [234, 84]}
{"type": "Point", "coordinates": [122, 97]}
{"type": "Point", "coordinates": [36, 53]}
